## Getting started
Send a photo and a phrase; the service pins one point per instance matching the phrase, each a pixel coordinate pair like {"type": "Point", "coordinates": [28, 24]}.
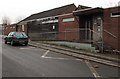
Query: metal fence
{"type": "Point", "coordinates": [76, 34]}
{"type": "Point", "coordinates": [83, 35]}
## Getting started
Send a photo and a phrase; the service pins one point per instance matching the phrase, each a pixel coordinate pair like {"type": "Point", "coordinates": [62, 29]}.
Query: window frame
{"type": "Point", "coordinates": [115, 14]}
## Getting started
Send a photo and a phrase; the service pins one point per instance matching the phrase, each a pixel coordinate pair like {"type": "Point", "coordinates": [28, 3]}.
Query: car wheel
{"type": "Point", "coordinates": [12, 43]}
{"type": "Point", "coordinates": [26, 43]}
{"type": "Point", "coordinates": [5, 42]}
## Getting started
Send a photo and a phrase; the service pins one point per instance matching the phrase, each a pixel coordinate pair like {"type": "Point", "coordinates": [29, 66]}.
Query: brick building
{"type": "Point", "coordinates": [79, 24]}
{"type": "Point", "coordinates": [9, 28]}
{"type": "Point", "coordinates": [100, 26]}
{"type": "Point", "coordinates": [91, 26]}
{"type": "Point", "coordinates": [111, 29]}
{"type": "Point", "coordinates": [68, 27]}
{"type": "Point", "coordinates": [47, 25]}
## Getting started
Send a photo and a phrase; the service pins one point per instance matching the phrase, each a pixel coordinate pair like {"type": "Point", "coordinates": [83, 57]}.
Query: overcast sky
{"type": "Point", "coordinates": [23, 8]}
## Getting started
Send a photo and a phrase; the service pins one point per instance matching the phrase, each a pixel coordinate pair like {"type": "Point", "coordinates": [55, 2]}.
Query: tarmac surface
{"type": "Point", "coordinates": [79, 54]}
{"type": "Point", "coordinates": [39, 60]}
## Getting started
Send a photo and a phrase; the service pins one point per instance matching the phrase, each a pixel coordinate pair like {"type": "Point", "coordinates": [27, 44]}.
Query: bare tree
{"type": "Point", "coordinates": [6, 20]}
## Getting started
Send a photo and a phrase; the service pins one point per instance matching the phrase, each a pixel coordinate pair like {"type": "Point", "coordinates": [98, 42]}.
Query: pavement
{"type": "Point", "coordinates": [108, 59]}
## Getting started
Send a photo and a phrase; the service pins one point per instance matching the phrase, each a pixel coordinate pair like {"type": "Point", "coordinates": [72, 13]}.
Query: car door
{"type": "Point", "coordinates": [9, 37]}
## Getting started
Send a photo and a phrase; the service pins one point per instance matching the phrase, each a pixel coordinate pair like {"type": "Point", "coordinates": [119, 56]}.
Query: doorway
{"type": "Point", "coordinates": [86, 27]}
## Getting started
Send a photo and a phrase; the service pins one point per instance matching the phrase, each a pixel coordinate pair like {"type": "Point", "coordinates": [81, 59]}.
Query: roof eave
{"type": "Point", "coordinates": [88, 11]}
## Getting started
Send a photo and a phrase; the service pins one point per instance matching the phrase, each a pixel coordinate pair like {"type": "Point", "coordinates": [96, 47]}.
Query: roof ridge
{"type": "Point", "coordinates": [51, 12]}
{"type": "Point", "coordinates": [54, 8]}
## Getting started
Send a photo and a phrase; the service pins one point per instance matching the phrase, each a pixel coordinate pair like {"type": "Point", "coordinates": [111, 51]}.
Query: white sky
{"type": "Point", "coordinates": [23, 8]}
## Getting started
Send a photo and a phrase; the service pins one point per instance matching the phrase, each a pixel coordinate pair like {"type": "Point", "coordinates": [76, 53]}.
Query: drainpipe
{"type": "Point", "coordinates": [102, 34]}
{"type": "Point", "coordinates": [118, 28]}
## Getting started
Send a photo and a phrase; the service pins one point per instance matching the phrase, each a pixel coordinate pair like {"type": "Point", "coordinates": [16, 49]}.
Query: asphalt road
{"type": "Point", "coordinates": [22, 61]}
{"type": "Point", "coordinates": [0, 56]}
{"type": "Point", "coordinates": [27, 61]}
{"type": "Point", "coordinates": [0, 51]}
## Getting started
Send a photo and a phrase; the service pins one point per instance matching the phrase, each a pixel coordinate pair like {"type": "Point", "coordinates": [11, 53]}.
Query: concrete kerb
{"type": "Point", "coordinates": [74, 55]}
{"type": "Point", "coordinates": [88, 54]}
{"type": "Point", "coordinates": [81, 52]}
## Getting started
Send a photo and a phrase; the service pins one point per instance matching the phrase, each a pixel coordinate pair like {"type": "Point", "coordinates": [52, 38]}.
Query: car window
{"type": "Point", "coordinates": [24, 34]}
{"type": "Point", "coordinates": [20, 34]}
{"type": "Point", "coordinates": [10, 34]}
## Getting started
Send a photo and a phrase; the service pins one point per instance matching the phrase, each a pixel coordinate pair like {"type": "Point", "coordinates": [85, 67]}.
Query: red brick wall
{"type": "Point", "coordinates": [64, 33]}
{"type": "Point", "coordinates": [12, 28]}
{"type": "Point", "coordinates": [110, 24]}
{"type": "Point", "coordinates": [9, 28]}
